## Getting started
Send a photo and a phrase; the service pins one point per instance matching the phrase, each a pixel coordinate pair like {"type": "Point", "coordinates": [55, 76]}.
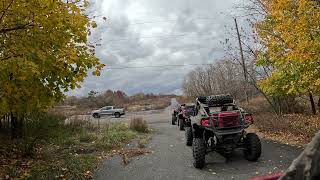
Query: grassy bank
{"type": "Point", "coordinates": [53, 150]}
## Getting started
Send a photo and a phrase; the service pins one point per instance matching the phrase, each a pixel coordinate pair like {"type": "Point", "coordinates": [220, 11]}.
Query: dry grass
{"type": "Point", "coordinates": [257, 105]}
{"type": "Point", "coordinates": [139, 125]}
{"type": "Point", "coordinates": [149, 104]}
{"type": "Point", "coordinates": [184, 99]}
{"type": "Point", "coordinates": [69, 111]}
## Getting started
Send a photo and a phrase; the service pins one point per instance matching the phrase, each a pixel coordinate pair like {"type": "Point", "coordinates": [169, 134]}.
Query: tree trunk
{"type": "Point", "coordinates": [13, 126]}
{"type": "Point", "coordinates": [278, 102]}
{"type": "Point", "coordinates": [2, 119]}
{"type": "Point", "coordinates": [20, 126]}
{"type": "Point", "coordinates": [313, 106]}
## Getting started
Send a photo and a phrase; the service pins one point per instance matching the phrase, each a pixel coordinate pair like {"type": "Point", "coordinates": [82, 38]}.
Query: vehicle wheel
{"type": "Point", "coordinates": [199, 153]}
{"type": "Point", "coordinates": [181, 123]}
{"type": "Point", "coordinates": [189, 136]}
{"type": "Point", "coordinates": [117, 115]}
{"type": "Point", "coordinates": [252, 150]}
{"type": "Point", "coordinates": [95, 115]}
{"type": "Point", "coordinates": [174, 119]}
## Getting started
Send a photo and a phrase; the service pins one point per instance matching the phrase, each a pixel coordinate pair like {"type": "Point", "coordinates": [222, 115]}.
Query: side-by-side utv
{"type": "Point", "coordinates": [221, 127]}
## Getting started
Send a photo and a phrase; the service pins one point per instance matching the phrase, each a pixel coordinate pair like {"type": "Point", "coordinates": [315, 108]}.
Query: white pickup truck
{"type": "Point", "coordinates": [108, 111]}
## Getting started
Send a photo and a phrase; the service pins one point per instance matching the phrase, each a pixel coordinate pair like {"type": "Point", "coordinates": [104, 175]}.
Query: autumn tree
{"type": "Point", "coordinates": [291, 37]}
{"type": "Point", "coordinates": [44, 51]}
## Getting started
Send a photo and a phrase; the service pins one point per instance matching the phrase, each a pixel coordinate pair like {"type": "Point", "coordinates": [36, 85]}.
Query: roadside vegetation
{"type": "Point", "coordinates": [53, 149]}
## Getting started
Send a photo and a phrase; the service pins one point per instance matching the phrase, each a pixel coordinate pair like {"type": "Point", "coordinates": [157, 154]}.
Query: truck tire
{"type": "Point", "coordinates": [117, 115]}
{"type": "Point", "coordinates": [96, 115]}
{"type": "Point", "coordinates": [173, 120]}
{"type": "Point", "coordinates": [199, 153]}
{"type": "Point", "coordinates": [189, 136]}
{"type": "Point", "coordinates": [181, 124]}
{"type": "Point", "coordinates": [252, 149]}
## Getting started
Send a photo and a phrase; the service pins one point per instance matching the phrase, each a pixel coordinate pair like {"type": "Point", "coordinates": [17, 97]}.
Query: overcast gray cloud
{"type": "Point", "coordinates": [154, 33]}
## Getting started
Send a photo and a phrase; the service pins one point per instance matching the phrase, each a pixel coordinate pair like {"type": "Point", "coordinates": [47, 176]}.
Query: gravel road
{"type": "Point", "coordinates": [172, 159]}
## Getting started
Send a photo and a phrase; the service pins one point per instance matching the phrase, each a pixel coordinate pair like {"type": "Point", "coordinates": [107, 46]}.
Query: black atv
{"type": "Point", "coordinates": [221, 128]}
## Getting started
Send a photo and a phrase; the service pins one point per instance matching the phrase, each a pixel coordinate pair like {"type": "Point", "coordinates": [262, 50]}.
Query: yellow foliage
{"type": "Point", "coordinates": [44, 52]}
{"type": "Point", "coordinates": [291, 35]}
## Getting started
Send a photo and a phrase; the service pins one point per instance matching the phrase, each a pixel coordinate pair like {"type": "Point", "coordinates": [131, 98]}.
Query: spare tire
{"type": "Point", "coordinates": [219, 99]}
{"type": "Point", "coordinates": [202, 99]}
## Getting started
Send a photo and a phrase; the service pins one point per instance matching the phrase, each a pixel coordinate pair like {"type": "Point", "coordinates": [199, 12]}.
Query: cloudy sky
{"type": "Point", "coordinates": [144, 33]}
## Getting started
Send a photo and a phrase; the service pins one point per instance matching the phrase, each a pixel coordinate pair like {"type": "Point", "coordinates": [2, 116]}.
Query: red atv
{"type": "Point", "coordinates": [221, 128]}
{"type": "Point", "coordinates": [184, 115]}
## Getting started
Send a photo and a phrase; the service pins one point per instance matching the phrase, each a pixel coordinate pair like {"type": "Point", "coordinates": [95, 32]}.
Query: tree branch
{"type": "Point", "coordinates": [5, 30]}
{"type": "Point", "coordinates": [4, 11]}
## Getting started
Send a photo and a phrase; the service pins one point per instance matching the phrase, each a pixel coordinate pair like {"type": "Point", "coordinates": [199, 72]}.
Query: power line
{"type": "Point", "coordinates": [168, 36]}
{"type": "Point", "coordinates": [156, 66]}
{"type": "Point", "coordinates": [175, 48]}
{"type": "Point", "coordinates": [168, 21]}
{"type": "Point", "coordinates": [137, 22]}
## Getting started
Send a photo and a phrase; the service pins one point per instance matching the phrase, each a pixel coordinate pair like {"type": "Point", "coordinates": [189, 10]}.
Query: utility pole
{"type": "Point", "coordinates": [243, 63]}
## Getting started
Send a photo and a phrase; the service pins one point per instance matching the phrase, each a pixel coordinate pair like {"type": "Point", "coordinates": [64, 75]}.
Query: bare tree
{"type": "Point", "coordinates": [222, 77]}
